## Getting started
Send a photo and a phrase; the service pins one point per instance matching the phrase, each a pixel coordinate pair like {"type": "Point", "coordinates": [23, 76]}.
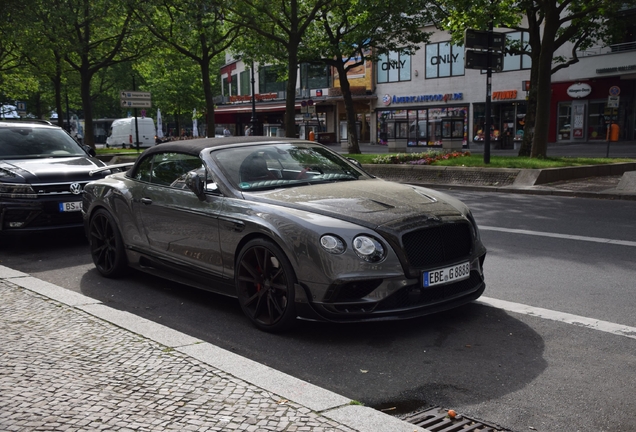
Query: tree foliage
{"type": "Point", "coordinates": [551, 25]}
{"type": "Point", "coordinates": [348, 33]}
{"type": "Point", "coordinates": [196, 30]}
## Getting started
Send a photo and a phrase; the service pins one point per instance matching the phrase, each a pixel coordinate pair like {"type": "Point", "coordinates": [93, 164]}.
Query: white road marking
{"type": "Point", "coordinates": [561, 236]}
{"type": "Point", "coordinates": [591, 323]}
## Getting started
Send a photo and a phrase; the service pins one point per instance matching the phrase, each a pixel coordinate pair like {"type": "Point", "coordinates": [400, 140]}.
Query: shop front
{"type": "Point", "coordinates": [583, 110]}
{"type": "Point", "coordinates": [443, 126]}
{"type": "Point", "coordinates": [507, 119]}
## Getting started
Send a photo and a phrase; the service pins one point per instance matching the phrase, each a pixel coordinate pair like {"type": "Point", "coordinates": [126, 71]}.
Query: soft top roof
{"type": "Point", "coordinates": [195, 146]}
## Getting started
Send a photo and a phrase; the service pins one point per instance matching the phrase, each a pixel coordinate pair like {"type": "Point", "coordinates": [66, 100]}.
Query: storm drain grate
{"type": "Point", "coordinates": [436, 419]}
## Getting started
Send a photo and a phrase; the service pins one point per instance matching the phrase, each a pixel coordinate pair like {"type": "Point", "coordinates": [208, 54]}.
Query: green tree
{"type": "Point", "coordinates": [551, 24]}
{"type": "Point", "coordinates": [176, 84]}
{"type": "Point", "coordinates": [95, 35]}
{"type": "Point", "coordinates": [196, 29]}
{"type": "Point", "coordinates": [276, 32]}
{"type": "Point", "coordinates": [347, 33]}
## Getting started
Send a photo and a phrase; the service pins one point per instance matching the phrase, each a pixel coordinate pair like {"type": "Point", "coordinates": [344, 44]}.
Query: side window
{"type": "Point", "coordinates": [167, 169]}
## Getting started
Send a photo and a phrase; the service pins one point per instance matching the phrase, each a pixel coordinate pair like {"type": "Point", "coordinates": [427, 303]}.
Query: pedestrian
{"type": "Point", "coordinates": [226, 132]}
{"type": "Point", "coordinates": [248, 132]}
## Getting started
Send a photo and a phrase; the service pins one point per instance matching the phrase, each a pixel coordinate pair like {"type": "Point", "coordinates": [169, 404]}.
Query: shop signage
{"type": "Point", "coordinates": [505, 94]}
{"type": "Point", "coordinates": [579, 90]}
{"type": "Point", "coordinates": [616, 69]}
{"type": "Point", "coordinates": [259, 97]}
{"type": "Point", "coordinates": [388, 99]}
{"type": "Point", "coordinates": [388, 65]}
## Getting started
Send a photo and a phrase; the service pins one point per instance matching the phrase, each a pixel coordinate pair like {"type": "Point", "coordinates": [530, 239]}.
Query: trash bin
{"type": "Point", "coordinates": [613, 132]}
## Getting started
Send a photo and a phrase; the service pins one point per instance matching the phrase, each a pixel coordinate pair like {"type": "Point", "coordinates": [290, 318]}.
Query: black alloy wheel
{"type": "Point", "coordinates": [107, 246]}
{"type": "Point", "coordinates": [265, 285]}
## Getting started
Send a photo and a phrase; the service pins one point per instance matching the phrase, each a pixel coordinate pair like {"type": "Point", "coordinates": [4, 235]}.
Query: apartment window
{"type": "Point", "coordinates": [444, 60]}
{"type": "Point", "coordinates": [230, 88]}
{"type": "Point", "coordinates": [246, 83]}
{"type": "Point", "coordinates": [314, 76]}
{"type": "Point", "coordinates": [268, 80]}
{"type": "Point", "coordinates": [518, 40]}
{"type": "Point", "coordinates": [394, 67]}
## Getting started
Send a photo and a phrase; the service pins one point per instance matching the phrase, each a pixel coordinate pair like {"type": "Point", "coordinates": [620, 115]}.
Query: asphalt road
{"type": "Point", "coordinates": [518, 370]}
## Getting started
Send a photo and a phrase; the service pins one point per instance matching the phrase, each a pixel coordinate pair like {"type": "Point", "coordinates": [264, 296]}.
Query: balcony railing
{"type": "Point", "coordinates": [608, 49]}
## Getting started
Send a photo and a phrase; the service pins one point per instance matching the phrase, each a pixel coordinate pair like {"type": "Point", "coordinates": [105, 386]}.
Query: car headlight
{"type": "Point", "coordinates": [474, 224]}
{"type": "Point", "coordinates": [15, 190]}
{"type": "Point", "coordinates": [368, 248]}
{"type": "Point", "coordinates": [332, 244]}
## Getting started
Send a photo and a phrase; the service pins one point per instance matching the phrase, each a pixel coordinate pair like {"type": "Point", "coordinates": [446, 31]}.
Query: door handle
{"type": "Point", "coordinates": [146, 201]}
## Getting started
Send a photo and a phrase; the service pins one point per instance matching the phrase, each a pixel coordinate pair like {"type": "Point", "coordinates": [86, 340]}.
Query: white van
{"type": "Point", "coordinates": [122, 133]}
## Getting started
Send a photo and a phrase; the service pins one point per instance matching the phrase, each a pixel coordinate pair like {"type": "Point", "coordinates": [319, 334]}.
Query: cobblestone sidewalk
{"type": "Point", "coordinates": [62, 369]}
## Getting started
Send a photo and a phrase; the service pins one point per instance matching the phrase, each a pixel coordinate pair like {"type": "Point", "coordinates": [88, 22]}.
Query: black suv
{"type": "Point", "coordinates": [42, 176]}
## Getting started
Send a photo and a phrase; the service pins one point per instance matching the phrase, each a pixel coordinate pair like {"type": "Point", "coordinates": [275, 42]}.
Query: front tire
{"type": "Point", "coordinates": [265, 285]}
{"type": "Point", "coordinates": [107, 246]}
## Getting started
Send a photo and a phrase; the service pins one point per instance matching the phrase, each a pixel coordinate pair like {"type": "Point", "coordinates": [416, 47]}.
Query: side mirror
{"type": "Point", "coordinates": [90, 150]}
{"type": "Point", "coordinates": [196, 183]}
{"type": "Point", "coordinates": [355, 162]}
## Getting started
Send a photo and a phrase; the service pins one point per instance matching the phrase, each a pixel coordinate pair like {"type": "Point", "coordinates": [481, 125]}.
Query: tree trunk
{"type": "Point", "coordinates": [544, 82]}
{"type": "Point", "coordinates": [345, 87]}
{"type": "Point", "coordinates": [87, 107]}
{"type": "Point", "coordinates": [531, 108]}
{"type": "Point", "coordinates": [290, 99]}
{"type": "Point", "coordinates": [209, 97]}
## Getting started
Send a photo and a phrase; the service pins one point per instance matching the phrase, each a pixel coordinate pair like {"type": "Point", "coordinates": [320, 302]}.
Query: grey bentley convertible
{"type": "Point", "coordinates": [289, 227]}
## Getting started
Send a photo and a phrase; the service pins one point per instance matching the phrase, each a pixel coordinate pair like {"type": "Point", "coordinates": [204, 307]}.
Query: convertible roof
{"type": "Point", "coordinates": [195, 146]}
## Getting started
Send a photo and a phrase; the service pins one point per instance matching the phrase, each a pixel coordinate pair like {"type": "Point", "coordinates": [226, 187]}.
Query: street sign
{"type": "Point", "coordinates": [135, 103]}
{"type": "Point", "coordinates": [128, 95]}
{"type": "Point", "coordinates": [20, 106]}
{"type": "Point", "coordinates": [479, 39]}
{"type": "Point", "coordinates": [613, 101]}
{"type": "Point", "coordinates": [614, 91]}
{"type": "Point", "coordinates": [479, 60]}
{"type": "Point", "coordinates": [135, 99]}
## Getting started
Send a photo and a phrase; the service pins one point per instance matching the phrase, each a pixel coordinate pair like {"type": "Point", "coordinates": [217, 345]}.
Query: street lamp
{"type": "Point", "coordinates": [254, 119]}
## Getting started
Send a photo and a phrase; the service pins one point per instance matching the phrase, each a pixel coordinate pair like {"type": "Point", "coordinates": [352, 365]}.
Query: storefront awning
{"type": "Point", "coordinates": [247, 108]}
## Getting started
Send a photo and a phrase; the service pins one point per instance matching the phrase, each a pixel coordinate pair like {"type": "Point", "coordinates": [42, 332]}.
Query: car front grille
{"type": "Point", "coordinates": [437, 244]}
{"type": "Point", "coordinates": [413, 296]}
{"type": "Point", "coordinates": [55, 188]}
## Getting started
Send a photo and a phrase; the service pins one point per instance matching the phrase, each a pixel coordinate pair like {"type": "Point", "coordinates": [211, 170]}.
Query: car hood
{"type": "Point", "coordinates": [46, 170]}
{"type": "Point", "coordinates": [368, 202]}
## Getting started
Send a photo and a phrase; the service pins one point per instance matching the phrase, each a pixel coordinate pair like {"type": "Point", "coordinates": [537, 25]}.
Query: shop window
{"type": "Point", "coordinates": [394, 67]}
{"type": "Point", "coordinates": [596, 121]}
{"type": "Point", "coordinates": [564, 120]}
{"type": "Point", "coordinates": [444, 60]}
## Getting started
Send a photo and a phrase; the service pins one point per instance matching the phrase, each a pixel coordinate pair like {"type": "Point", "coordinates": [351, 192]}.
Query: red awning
{"type": "Point", "coordinates": [247, 108]}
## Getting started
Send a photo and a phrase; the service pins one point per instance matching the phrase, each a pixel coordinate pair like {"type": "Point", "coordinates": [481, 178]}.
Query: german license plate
{"type": "Point", "coordinates": [446, 275]}
{"type": "Point", "coordinates": [71, 206]}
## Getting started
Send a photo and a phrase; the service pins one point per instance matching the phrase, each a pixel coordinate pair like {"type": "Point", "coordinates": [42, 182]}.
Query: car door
{"type": "Point", "coordinates": [179, 227]}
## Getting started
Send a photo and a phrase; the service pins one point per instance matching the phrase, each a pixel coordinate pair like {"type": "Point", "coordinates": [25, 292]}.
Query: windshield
{"type": "Point", "coordinates": [27, 142]}
{"type": "Point", "coordinates": [278, 165]}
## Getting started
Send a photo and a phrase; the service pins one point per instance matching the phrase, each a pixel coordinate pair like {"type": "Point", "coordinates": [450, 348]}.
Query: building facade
{"type": "Point", "coordinates": [431, 99]}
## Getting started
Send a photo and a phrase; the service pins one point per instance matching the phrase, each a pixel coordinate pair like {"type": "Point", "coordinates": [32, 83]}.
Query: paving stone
{"type": "Point", "coordinates": [62, 369]}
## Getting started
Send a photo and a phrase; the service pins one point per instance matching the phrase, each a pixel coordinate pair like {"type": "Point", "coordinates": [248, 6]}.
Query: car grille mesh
{"type": "Point", "coordinates": [438, 244]}
{"type": "Point", "coordinates": [55, 189]}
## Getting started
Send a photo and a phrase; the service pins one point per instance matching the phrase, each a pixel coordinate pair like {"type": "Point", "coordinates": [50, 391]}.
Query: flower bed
{"type": "Point", "coordinates": [425, 158]}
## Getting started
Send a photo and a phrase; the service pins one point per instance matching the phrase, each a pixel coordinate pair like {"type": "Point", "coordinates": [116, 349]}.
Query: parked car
{"type": "Point", "coordinates": [42, 175]}
{"type": "Point", "coordinates": [289, 227]}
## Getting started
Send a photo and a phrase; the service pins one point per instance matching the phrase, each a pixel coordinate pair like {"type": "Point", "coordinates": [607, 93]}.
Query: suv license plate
{"type": "Point", "coordinates": [446, 275]}
{"type": "Point", "coordinates": [71, 206]}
